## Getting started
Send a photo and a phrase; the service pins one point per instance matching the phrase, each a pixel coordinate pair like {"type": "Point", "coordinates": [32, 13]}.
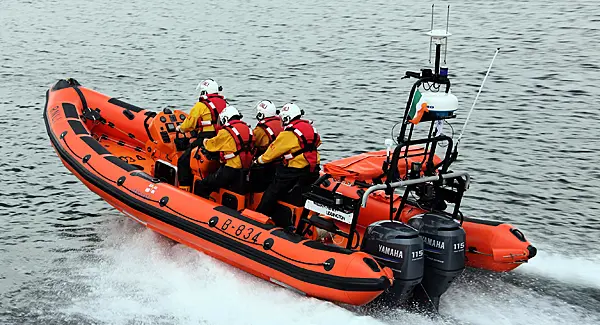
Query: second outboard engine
{"type": "Point", "coordinates": [399, 247]}
{"type": "Point", "coordinates": [444, 245]}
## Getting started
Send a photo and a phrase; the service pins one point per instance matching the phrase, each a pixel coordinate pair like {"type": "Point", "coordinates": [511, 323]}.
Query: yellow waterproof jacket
{"type": "Point", "coordinates": [286, 142]}
{"type": "Point", "coordinates": [199, 111]}
{"type": "Point", "coordinates": [261, 139]}
{"type": "Point", "coordinates": [224, 142]}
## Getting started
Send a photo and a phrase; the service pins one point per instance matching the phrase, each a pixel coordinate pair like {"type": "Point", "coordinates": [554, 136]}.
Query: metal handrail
{"type": "Point", "coordinates": [384, 186]}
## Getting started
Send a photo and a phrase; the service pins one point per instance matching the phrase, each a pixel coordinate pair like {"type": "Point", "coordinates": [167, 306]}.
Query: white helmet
{"type": "Point", "coordinates": [264, 109]}
{"type": "Point", "coordinates": [227, 113]}
{"type": "Point", "coordinates": [289, 112]}
{"type": "Point", "coordinates": [208, 86]}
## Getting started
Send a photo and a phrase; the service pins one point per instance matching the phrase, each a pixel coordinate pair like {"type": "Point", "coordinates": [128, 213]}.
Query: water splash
{"type": "Point", "coordinates": [145, 277]}
{"type": "Point", "coordinates": [574, 270]}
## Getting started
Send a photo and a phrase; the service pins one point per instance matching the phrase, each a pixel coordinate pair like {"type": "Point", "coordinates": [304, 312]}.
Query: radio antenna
{"type": "Point", "coordinates": [430, 40]}
{"type": "Point", "coordinates": [475, 101]}
{"type": "Point", "coordinates": [447, 23]}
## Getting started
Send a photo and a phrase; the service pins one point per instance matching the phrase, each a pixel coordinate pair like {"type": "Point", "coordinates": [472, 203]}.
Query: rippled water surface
{"type": "Point", "coordinates": [531, 147]}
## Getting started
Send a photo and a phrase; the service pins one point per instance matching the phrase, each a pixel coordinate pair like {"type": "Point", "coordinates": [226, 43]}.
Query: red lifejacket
{"type": "Point", "coordinates": [308, 138]}
{"type": "Point", "coordinates": [215, 103]}
{"type": "Point", "coordinates": [242, 134]}
{"type": "Point", "coordinates": [272, 127]}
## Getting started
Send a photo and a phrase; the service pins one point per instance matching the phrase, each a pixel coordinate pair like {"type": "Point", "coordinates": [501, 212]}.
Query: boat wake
{"type": "Point", "coordinates": [142, 276]}
{"type": "Point", "coordinates": [578, 271]}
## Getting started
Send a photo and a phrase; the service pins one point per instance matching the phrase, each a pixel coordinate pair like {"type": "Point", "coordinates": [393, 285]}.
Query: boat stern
{"type": "Point", "coordinates": [496, 246]}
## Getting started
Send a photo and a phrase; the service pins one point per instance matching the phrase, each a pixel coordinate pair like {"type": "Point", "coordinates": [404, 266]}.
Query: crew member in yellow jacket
{"type": "Point", "coordinates": [266, 131]}
{"type": "Point", "coordinates": [202, 120]}
{"type": "Point", "coordinates": [297, 145]}
{"type": "Point", "coordinates": [233, 143]}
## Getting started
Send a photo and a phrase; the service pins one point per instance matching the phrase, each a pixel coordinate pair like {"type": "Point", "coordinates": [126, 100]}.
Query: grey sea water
{"type": "Point", "coordinates": [66, 257]}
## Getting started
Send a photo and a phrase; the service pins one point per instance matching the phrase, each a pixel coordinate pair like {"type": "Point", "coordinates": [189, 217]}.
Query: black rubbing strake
{"type": "Point", "coordinates": [328, 248]}
{"type": "Point", "coordinates": [146, 177]}
{"type": "Point", "coordinates": [482, 221]}
{"type": "Point", "coordinates": [287, 236]}
{"type": "Point", "coordinates": [97, 147]}
{"type": "Point", "coordinates": [70, 110]}
{"type": "Point", "coordinates": [123, 165]}
{"type": "Point", "coordinates": [77, 127]}
{"type": "Point", "coordinates": [123, 104]}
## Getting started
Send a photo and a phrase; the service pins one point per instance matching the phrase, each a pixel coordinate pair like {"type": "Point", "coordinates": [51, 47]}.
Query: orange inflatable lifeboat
{"type": "Point", "coordinates": [116, 148]}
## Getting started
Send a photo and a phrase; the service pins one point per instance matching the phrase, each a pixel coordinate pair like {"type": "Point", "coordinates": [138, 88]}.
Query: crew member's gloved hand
{"type": "Point", "coordinates": [178, 128]}
{"type": "Point", "coordinates": [209, 154]}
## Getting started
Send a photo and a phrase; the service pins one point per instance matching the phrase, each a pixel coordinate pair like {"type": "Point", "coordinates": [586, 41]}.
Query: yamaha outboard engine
{"type": "Point", "coordinates": [399, 247]}
{"type": "Point", "coordinates": [444, 245]}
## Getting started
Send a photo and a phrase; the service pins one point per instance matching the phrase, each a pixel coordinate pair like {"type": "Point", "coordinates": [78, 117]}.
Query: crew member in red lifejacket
{"type": "Point", "coordinates": [203, 119]}
{"type": "Point", "coordinates": [297, 145]}
{"type": "Point", "coordinates": [268, 128]}
{"type": "Point", "coordinates": [234, 143]}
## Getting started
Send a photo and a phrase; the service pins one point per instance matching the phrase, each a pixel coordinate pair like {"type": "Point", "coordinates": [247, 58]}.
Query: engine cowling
{"type": "Point", "coordinates": [399, 247]}
{"type": "Point", "coordinates": [444, 246]}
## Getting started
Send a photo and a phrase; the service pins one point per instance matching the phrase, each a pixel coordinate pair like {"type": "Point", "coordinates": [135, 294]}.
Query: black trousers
{"type": "Point", "coordinates": [184, 171]}
{"type": "Point", "coordinates": [286, 178]}
{"type": "Point", "coordinates": [261, 176]}
{"type": "Point", "coordinates": [224, 177]}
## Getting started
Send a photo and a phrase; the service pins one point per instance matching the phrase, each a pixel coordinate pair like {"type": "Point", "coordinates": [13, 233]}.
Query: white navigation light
{"type": "Point", "coordinates": [438, 34]}
{"type": "Point", "coordinates": [440, 104]}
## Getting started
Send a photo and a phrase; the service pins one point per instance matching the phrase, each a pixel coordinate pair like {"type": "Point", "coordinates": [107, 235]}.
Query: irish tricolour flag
{"type": "Point", "coordinates": [417, 109]}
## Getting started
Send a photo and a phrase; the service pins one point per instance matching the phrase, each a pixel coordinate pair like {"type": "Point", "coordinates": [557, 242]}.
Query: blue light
{"type": "Point", "coordinates": [444, 71]}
